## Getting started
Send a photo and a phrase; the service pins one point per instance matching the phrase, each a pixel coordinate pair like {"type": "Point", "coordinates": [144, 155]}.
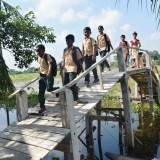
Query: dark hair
{"type": "Point", "coordinates": [41, 46]}
{"type": "Point", "coordinates": [70, 36]}
{"type": "Point", "coordinates": [135, 33]}
{"type": "Point", "coordinates": [100, 27]}
{"type": "Point", "coordinates": [87, 29]}
{"type": "Point", "coordinates": [123, 36]}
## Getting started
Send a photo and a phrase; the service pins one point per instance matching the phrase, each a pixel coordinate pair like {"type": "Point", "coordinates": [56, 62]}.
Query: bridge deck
{"type": "Point", "coordinates": [34, 137]}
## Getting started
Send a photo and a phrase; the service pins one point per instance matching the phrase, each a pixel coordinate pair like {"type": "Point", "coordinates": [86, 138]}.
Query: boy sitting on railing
{"type": "Point", "coordinates": [71, 60]}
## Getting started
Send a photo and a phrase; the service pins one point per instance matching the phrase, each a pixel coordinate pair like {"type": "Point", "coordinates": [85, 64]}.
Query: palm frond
{"type": "Point", "coordinates": [154, 8]}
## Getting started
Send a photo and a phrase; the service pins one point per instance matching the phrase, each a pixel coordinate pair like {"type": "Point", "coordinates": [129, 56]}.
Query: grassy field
{"type": "Point", "coordinates": [26, 77]}
{"type": "Point", "coordinates": [23, 77]}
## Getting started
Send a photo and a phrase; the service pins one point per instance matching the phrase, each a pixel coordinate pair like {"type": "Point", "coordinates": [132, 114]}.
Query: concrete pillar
{"type": "Point", "coordinates": [22, 105]}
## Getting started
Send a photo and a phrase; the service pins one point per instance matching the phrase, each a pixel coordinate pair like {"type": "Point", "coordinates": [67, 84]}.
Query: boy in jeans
{"type": "Point", "coordinates": [88, 51]}
{"type": "Point", "coordinates": [69, 66]}
{"type": "Point", "coordinates": [46, 79]}
{"type": "Point", "coordinates": [104, 45]}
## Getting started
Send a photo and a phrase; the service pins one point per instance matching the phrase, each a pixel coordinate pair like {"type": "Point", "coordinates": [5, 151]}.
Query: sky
{"type": "Point", "coordinates": [71, 16]}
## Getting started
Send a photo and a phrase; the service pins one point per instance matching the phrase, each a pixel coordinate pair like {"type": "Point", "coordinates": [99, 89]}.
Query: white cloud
{"type": "Point", "coordinates": [53, 9]}
{"type": "Point", "coordinates": [126, 28]}
{"type": "Point", "coordinates": [107, 17]}
{"type": "Point", "coordinates": [155, 36]}
{"type": "Point", "coordinates": [151, 42]}
{"type": "Point", "coordinates": [68, 16]}
{"type": "Point", "coordinates": [84, 14]}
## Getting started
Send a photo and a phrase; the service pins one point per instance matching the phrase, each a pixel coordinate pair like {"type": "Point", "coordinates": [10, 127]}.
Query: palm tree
{"type": "Point", "coordinates": [152, 5]}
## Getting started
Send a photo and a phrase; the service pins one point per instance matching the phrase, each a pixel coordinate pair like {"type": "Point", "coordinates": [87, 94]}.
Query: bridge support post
{"type": "Point", "coordinates": [158, 92]}
{"type": "Point", "coordinates": [89, 136]}
{"type": "Point", "coordinates": [22, 105]}
{"type": "Point", "coordinates": [72, 124]}
{"type": "Point", "coordinates": [63, 105]}
{"type": "Point", "coordinates": [150, 91]}
{"type": "Point", "coordinates": [100, 77]}
{"type": "Point", "coordinates": [126, 101]}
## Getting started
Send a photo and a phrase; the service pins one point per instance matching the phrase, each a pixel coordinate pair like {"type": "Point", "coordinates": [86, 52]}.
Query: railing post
{"type": "Point", "coordinates": [150, 90]}
{"type": "Point", "coordinates": [63, 106]}
{"type": "Point", "coordinates": [126, 100]}
{"type": "Point", "coordinates": [158, 92]}
{"type": "Point", "coordinates": [100, 77]}
{"type": "Point", "coordinates": [22, 105]}
{"type": "Point", "coordinates": [72, 124]}
{"type": "Point", "coordinates": [148, 60]}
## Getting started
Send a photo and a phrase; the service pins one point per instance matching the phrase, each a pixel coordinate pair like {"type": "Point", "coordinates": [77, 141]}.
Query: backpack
{"type": "Point", "coordinates": [53, 71]}
{"type": "Point", "coordinates": [74, 56]}
{"type": "Point", "coordinates": [108, 45]}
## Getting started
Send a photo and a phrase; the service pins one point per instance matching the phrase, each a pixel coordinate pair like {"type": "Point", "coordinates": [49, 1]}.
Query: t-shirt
{"type": "Point", "coordinates": [69, 64]}
{"type": "Point", "coordinates": [102, 42]}
{"type": "Point", "coordinates": [123, 44]}
{"type": "Point", "coordinates": [43, 65]}
{"type": "Point", "coordinates": [88, 44]}
{"type": "Point", "coordinates": [135, 43]}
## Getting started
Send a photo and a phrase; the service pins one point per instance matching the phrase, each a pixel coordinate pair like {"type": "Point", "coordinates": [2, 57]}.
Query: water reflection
{"type": "Point", "coordinates": [3, 118]}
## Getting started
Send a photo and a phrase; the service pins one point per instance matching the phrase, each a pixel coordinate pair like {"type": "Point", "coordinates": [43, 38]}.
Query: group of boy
{"type": "Point", "coordinates": [72, 60]}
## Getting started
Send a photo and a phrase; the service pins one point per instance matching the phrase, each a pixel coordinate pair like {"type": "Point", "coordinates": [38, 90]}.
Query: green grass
{"type": "Point", "coordinates": [23, 77]}
{"type": "Point", "coordinates": [26, 77]}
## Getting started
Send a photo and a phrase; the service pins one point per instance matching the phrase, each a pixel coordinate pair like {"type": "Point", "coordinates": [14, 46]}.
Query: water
{"type": "Point", "coordinates": [3, 118]}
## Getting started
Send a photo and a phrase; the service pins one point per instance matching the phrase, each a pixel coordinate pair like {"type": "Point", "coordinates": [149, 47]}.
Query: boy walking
{"type": "Point", "coordinates": [69, 65]}
{"type": "Point", "coordinates": [46, 79]}
{"type": "Point", "coordinates": [88, 51]}
{"type": "Point", "coordinates": [104, 45]}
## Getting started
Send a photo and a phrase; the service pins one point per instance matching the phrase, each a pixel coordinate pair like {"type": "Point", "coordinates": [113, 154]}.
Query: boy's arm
{"type": "Point", "coordinates": [82, 49]}
{"type": "Point", "coordinates": [80, 63]}
{"type": "Point", "coordinates": [36, 69]}
{"type": "Point", "coordinates": [79, 57]}
{"type": "Point", "coordinates": [94, 49]}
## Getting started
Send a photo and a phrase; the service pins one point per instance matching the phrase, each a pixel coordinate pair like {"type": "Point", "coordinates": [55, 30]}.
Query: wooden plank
{"type": "Point", "coordinates": [91, 93]}
{"type": "Point", "coordinates": [136, 71]}
{"type": "Point", "coordinates": [113, 156]}
{"type": "Point", "coordinates": [108, 118]}
{"type": "Point", "coordinates": [34, 127]}
{"type": "Point", "coordinates": [23, 148]}
{"type": "Point", "coordinates": [8, 154]}
{"type": "Point", "coordinates": [49, 143]}
{"type": "Point", "coordinates": [55, 137]}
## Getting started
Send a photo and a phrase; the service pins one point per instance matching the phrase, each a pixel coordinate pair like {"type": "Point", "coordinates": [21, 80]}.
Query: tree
{"type": "Point", "coordinates": [19, 35]}
{"type": "Point", "coordinates": [155, 55]}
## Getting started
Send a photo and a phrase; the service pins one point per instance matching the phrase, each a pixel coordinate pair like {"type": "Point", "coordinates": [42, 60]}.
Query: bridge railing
{"type": "Point", "coordinates": [149, 64]}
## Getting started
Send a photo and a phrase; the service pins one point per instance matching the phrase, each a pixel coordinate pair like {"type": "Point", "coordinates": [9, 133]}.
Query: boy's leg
{"type": "Point", "coordinates": [72, 76]}
{"type": "Point", "coordinates": [50, 83]}
{"type": "Point", "coordinates": [42, 88]}
{"type": "Point", "coordinates": [87, 65]}
{"type": "Point", "coordinates": [66, 78]}
{"type": "Point", "coordinates": [94, 70]}
{"type": "Point", "coordinates": [102, 64]}
{"type": "Point", "coordinates": [105, 62]}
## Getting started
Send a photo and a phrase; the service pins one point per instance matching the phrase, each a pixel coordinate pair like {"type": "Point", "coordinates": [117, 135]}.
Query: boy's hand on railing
{"type": "Point", "coordinates": [36, 69]}
{"type": "Point", "coordinates": [93, 58]}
